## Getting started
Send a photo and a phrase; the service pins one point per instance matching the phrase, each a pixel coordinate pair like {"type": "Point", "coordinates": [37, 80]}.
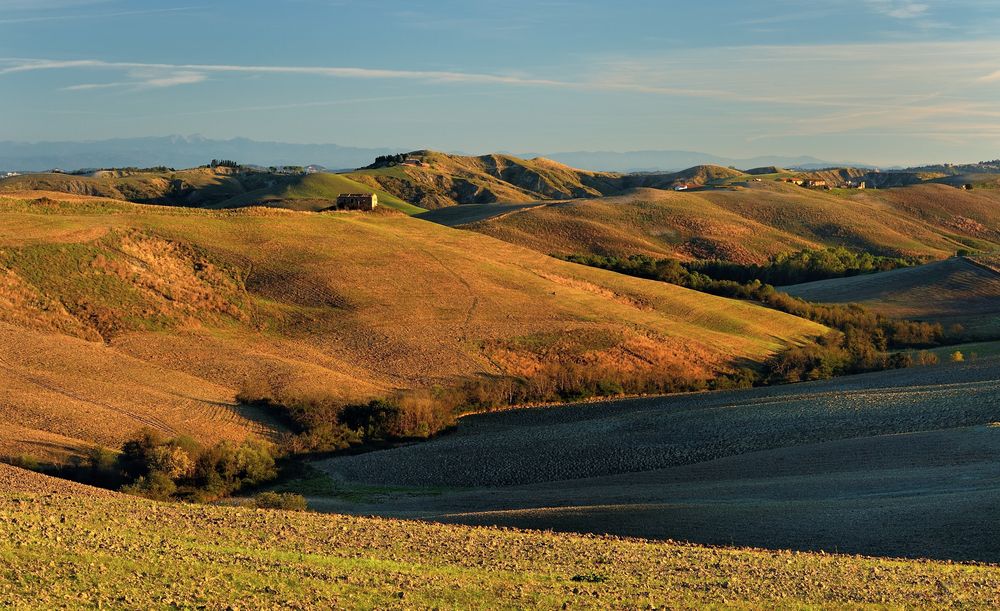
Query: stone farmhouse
{"type": "Point", "coordinates": [357, 201]}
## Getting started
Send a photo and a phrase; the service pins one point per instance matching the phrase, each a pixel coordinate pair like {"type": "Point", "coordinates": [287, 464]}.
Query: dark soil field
{"type": "Point", "coordinates": [62, 548]}
{"type": "Point", "coordinates": [901, 463]}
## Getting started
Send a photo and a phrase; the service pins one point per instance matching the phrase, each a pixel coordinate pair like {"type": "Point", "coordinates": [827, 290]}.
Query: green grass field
{"type": "Point", "coordinates": [71, 550]}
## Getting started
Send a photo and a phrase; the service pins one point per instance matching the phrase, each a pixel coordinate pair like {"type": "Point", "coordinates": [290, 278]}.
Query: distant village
{"type": "Point", "coordinates": [819, 183]}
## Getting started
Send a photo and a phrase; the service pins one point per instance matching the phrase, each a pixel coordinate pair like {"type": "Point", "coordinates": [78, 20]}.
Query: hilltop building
{"type": "Point", "coordinates": [357, 201]}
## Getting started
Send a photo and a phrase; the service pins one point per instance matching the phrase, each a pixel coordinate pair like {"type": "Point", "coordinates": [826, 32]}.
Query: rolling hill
{"type": "Point", "coordinates": [447, 180]}
{"type": "Point", "coordinates": [69, 548]}
{"type": "Point", "coordinates": [955, 291]}
{"type": "Point", "coordinates": [177, 309]}
{"type": "Point", "coordinates": [205, 188]}
{"type": "Point", "coordinates": [441, 180]}
{"type": "Point", "coordinates": [749, 221]}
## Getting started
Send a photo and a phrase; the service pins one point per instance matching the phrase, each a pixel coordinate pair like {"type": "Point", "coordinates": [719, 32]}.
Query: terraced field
{"type": "Point", "coordinates": [953, 291]}
{"type": "Point", "coordinates": [896, 463]}
{"type": "Point", "coordinates": [63, 547]}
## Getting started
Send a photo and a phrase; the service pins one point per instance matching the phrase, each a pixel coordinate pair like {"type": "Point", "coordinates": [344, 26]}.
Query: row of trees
{"type": "Point", "coordinates": [803, 266]}
{"type": "Point", "coordinates": [861, 342]}
{"type": "Point", "coordinates": [886, 332]}
{"type": "Point", "coordinates": [223, 163]}
{"type": "Point", "coordinates": [388, 160]}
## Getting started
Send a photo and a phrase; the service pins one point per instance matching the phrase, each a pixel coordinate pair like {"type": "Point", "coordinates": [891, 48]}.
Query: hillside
{"type": "Point", "coordinates": [127, 552]}
{"type": "Point", "coordinates": [177, 309]}
{"type": "Point", "coordinates": [955, 291]}
{"type": "Point", "coordinates": [204, 188]}
{"type": "Point", "coordinates": [697, 176]}
{"type": "Point", "coordinates": [442, 180]}
{"type": "Point", "coordinates": [310, 192]}
{"type": "Point", "coordinates": [751, 221]}
{"type": "Point", "coordinates": [447, 180]}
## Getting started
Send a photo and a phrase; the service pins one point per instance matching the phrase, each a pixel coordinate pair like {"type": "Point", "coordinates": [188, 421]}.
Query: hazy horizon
{"type": "Point", "coordinates": [884, 82]}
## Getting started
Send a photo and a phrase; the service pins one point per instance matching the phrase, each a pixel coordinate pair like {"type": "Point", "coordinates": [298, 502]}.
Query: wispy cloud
{"type": "Point", "coordinates": [31, 65]}
{"type": "Point", "coordinates": [317, 104]}
{"type": "Point", "coordinates": [827, 87]}
{"type": "Point", "coordinates": [993, 76]}
{"type": "Point", "coordinates": [145, 80]}
{"type": "Point", "coordinates": [92, 15]}
{"type": "Point", "coordinates": [899, 9]}
{"type": "Point", "coordinates": [46, 5]}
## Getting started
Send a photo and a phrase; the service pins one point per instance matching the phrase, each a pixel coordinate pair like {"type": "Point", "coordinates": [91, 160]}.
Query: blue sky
{"type": "Point", "coordinates": [881, 81]}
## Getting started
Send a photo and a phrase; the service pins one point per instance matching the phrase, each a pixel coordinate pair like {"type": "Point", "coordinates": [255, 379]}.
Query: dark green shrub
{"type": "Point", "coordinates": [157, 486]}
{"type": "Point", "coordinates": [227, 467]}
{"type": "Point", "coordinates": [288, 501]}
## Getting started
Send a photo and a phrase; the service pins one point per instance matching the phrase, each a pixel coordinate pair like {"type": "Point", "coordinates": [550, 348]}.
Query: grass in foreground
{"type": "Point", "coordinates": [78, 551]}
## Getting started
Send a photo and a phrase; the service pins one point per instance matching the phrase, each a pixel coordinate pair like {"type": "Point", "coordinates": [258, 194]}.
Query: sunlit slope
{"type": "Point", "coordinates": [73, 549]}
{"type": "Point", "coordinates": [750, 223]}
{"type": "Point", "coordinates": [311, 192]}
{"type": "Point", "coordinates": [953, 292]}
{"type": "Point", "coordinates": [206, 188]}
{"type": "Point", "coordinates": [447, 180]}
{"type": "Point", "coordinates": [192, 304]}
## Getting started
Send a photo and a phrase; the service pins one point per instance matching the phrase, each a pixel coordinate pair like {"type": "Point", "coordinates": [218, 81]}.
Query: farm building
{"type": "Point", "coordinates": [815, 182]}
{"type": "Point", "coordinates": [357, 201]}
{"type": "Point", "coordinates": [794, 181]}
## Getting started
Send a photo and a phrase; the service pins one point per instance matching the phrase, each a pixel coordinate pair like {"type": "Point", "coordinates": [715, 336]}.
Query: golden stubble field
{"type": "Point", "coordinates": [748, 224]}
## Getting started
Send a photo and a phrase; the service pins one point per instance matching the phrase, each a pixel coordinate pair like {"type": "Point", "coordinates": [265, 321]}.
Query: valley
{"type": "Point", "coordinates": [213, 317]}
{"type": "Point", "coordinates": [899, 463]}
{"type": "Point", "coordinates": [499, 305]}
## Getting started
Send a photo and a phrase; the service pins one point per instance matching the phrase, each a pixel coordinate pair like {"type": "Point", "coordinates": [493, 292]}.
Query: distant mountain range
{"type": "Point", "coordinates": [189, 151]}
{"type": "Point", "coordinates": [178, 152]}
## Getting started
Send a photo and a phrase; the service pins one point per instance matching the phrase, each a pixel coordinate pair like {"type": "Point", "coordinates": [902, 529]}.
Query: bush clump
{"type": "Point", "coordinates": [288, 501]}
{"type": "Point", "coordinates": [324, 424]}
{"type": "Point", "coordinates": [155, 467]}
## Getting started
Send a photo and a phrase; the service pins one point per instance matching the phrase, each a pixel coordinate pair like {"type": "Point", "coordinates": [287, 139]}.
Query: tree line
{"type": "Point", "coordinates": [806, 265]}
{"type": "Point", "coordinates": [862, 340]}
